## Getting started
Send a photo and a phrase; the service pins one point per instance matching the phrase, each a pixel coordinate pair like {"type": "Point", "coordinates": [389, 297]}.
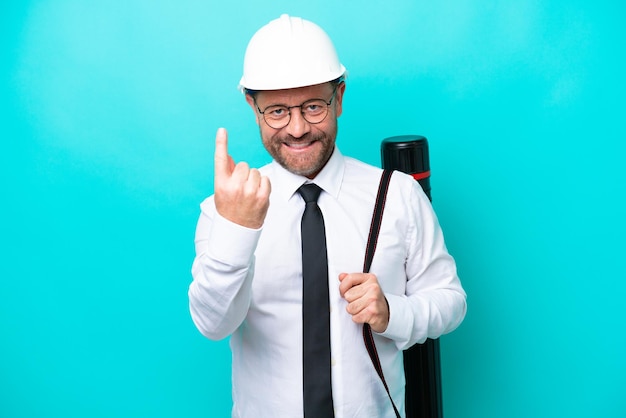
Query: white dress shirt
{"type": "Point", "coordinates": [248, 284]}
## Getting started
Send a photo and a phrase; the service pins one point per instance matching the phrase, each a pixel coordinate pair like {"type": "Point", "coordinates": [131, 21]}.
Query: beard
{"type": "Point", "coordinates": [304, 156]}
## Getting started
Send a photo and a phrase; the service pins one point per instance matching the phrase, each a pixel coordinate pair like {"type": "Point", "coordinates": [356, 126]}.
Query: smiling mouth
{"type": "Point", "coordinates": [299, 145]}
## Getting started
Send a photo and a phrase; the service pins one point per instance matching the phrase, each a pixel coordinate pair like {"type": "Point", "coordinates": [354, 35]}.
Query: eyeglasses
{"type": "Point", "coordinates": [314, 111]}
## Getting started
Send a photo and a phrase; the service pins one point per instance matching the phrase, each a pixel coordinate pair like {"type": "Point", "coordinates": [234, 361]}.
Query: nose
{"type": "Point", "coordinates": [297, 126]}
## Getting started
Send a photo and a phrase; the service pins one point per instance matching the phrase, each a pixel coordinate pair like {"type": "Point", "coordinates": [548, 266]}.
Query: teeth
{"type": "Point", "coordinates": [299, 145]}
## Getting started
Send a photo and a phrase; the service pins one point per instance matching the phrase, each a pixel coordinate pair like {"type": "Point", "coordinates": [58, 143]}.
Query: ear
{"type": "Point", "coordinates": [341, 88]}
{"type": "Point", "coordinates": [252, 105]}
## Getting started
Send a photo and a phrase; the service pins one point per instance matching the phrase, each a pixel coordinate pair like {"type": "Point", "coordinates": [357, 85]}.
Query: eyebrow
{"type": "Point", "coordinates": [286, 105]}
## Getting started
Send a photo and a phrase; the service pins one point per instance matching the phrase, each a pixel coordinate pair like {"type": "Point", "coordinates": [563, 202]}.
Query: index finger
{"type": "Point", "coordinates": [348, 281]}
{"type": "Point", "coordinates": [222, 159]}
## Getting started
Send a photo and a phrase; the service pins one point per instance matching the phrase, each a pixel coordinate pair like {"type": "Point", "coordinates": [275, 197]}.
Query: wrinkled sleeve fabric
{"type": "Point", "coordinates": [222, 270]}
{"type": "Point", "coordinates": [434, 302]}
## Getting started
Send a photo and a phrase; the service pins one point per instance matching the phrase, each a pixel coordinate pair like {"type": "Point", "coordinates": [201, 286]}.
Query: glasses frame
{"type": "Point", "coordinates": [288, 117]}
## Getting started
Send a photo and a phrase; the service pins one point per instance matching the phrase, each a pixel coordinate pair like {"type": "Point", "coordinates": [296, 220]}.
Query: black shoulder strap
{"type": "Point", "coordinates": [372, 240]}
{"type": "Point", "coordinates": [377, 219]}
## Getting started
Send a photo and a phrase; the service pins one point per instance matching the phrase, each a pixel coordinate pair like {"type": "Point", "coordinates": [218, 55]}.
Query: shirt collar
{"type": "Point", "coordinates": [329, 179]}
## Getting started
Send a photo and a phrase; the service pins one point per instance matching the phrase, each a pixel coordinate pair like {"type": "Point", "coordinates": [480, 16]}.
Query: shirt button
{"type": "Point", "coordinates": [333, 362]}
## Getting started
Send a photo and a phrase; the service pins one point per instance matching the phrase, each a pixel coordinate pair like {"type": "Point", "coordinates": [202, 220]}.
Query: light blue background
{"type": "Point", "coordinates": [108, 115]}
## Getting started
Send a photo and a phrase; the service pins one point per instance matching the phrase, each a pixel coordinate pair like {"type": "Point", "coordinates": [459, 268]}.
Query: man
{"type": "Point", "coordinates": [248, 271]}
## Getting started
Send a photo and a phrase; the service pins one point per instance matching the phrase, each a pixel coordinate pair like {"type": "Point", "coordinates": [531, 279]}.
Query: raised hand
{"type": "Point", "coordinates": [366, 302]}
{"type": "Point", "coordinates": [241, 193]}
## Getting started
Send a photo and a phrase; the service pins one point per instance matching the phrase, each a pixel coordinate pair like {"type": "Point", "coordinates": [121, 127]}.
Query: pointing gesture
{"type": "Point", "coordinates": [241, 193]}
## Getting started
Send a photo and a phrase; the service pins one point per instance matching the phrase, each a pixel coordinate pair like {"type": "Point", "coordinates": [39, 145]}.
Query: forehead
{"type": "Point", "coordinates": [295, 96]}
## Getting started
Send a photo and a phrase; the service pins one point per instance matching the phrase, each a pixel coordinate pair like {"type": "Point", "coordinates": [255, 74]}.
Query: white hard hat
{"type": "Point", "coordinates": [289, 52]}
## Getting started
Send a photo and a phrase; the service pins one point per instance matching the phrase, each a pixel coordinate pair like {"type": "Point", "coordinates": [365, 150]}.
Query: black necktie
{"type": "Point", "coordinates": [318, 400]}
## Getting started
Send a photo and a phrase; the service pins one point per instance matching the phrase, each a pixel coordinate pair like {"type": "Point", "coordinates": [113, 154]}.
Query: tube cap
{"type": "Point", "coordinates": [409, 154]}
{"type": "Point", "coordinates": [406, 153]}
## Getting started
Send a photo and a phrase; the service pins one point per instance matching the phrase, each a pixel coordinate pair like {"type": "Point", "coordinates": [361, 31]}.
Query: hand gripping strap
{"type": "Point", "coordinates": [372, 240]}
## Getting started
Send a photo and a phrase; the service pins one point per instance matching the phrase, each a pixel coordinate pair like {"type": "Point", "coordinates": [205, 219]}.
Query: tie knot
{"type": "Point", "coordinates": [310, 192]}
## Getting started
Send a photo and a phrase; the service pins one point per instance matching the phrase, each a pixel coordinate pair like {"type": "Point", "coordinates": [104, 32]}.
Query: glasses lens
{"type": "Point", "coordinates": [314, 111]}
{"type": "Point", "coordinates": [276, 116]}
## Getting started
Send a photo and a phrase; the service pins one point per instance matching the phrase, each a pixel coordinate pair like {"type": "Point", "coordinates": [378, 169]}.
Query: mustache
{"type": "Point", "coordinates": [308, 137]}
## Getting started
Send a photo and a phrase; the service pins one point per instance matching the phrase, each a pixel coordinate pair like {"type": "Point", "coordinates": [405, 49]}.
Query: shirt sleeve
{"type": "Point", "coordinates": [434, 302]}
{"type": "Point", "coordinates": [219, 295]}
